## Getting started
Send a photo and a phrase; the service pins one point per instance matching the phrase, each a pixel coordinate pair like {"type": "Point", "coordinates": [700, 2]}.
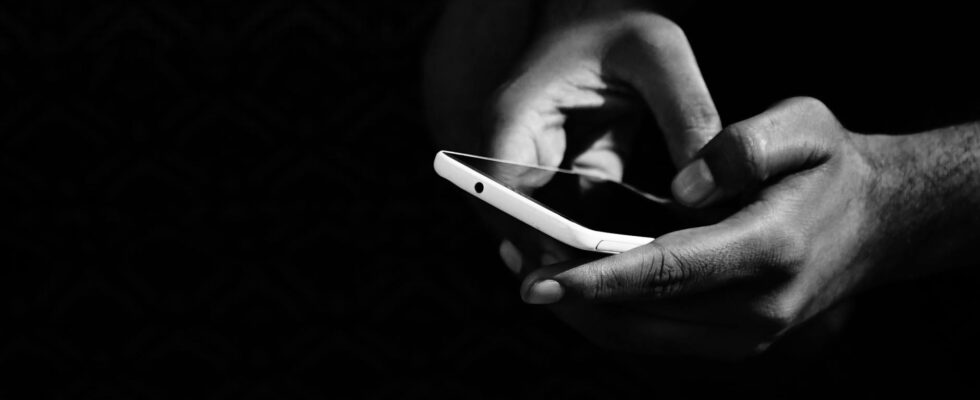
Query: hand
{"type": "Point", "coordinates": [606, 67]}
{"type": "Point", "coordinates": [573, 99]}
{"type": "Point", "coordinates": [478, 45]}
{"type": "Point", "coordinates": [806, 236]}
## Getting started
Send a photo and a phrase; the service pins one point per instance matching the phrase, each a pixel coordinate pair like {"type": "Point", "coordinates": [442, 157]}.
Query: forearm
{"type": "Point", "coordinates": [929, 196]}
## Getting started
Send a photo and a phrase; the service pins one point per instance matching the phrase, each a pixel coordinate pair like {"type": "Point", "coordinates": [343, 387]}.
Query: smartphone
{"type": "Point", "coordinates": [584, 211]}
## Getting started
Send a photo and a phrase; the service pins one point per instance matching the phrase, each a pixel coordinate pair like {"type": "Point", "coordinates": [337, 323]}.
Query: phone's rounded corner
{"type": "Point", "coordinates": [439, 163]}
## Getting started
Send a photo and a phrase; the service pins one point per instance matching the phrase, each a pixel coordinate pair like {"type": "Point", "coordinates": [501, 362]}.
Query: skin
{"type": "Point", "coordinates": [821, 213]}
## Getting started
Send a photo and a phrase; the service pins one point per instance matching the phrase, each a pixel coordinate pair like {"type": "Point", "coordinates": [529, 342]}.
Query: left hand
{"type": "Point", "coordinates": [574, 97]}
{"type": "Point", "coordinates": [804, 238]}
{"type": "Point", "coordinates": [577, 97]}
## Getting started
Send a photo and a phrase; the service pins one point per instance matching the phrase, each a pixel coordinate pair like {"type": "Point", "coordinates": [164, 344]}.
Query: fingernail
{"type": "Point", "coordinates": [544, 292]}
{"type": "Point", "coordinates": [511, 256]}
{"type": "Point", "coordinates": [694, 183]}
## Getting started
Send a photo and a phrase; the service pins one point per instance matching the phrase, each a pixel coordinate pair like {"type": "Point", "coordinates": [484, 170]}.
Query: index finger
{"type": "Point", "coordinates": [689, 261]}
{"type": "Point", "coordinates": [655, 58]}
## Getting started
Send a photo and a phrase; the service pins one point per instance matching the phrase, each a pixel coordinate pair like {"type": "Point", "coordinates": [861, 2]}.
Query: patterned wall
{"type": "Point", "coordinates": [234, 199]}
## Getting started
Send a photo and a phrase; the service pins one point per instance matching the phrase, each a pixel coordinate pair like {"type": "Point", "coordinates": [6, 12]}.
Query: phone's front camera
{"type": "Point", "coordinates": [478, 187]}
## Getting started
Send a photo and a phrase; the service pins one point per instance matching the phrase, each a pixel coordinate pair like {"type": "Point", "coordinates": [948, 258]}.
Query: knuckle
{"type": "Point", "coordinates": [789, 248]}
{"type": "Point", "coordinates": [594, 285]}
{"type": "Point", "coordinates": [656, 274]}
{"type": "Point", "coordinates": [663, 273]}
{"type": "Point", "coordinates": [655, 30]}
{"type": "Point", "coordinates": [812, 108]}
{"type": "Point", "coordinates": [747, 144]}
{"type": "Point", "coordinates": [651, 22]}
{"type": "Point", "coordinates": [672, 271]}
{"type": "Point", "coordinates": [605, 283]}
{"type": "Point", "coordinates": [701, 119]}
{"type": "Point", "coordinates": [664, 29]}
{"type": "Point", "coordinates": [809, 104]}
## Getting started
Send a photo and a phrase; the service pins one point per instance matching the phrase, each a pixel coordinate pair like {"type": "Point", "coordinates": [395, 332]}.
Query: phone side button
{"type": "Point", "coordinates": [609, 246]}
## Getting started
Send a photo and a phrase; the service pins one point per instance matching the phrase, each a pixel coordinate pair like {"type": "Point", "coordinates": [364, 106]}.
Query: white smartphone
{"type": "Point", "coordinates": [584, 211]}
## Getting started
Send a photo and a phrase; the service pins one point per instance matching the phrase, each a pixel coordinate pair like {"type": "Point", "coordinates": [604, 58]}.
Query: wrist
{"type": "Point", "coordinates": [924, 191]}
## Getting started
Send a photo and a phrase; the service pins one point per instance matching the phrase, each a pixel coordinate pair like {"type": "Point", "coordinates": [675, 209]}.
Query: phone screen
{"type": "Point", "coordinates": [591, 201]}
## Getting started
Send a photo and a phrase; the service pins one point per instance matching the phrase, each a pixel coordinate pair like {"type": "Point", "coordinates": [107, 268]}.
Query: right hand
{"type": "Point", "coordinates": [609, 65]}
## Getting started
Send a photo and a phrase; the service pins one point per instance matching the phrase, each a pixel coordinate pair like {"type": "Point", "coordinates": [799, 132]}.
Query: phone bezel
{"type": "Point", "coordinates": [530, 211]}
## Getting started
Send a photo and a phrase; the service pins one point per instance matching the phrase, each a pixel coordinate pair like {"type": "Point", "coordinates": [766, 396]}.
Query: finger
{"type": "Point", "coordinates": [541, 253]}
{"type": "Point", "coordinates": [522, 247]}
{"type": "Point", "coordinates": [643, 328]}
{"type": "Point", "coordinates": [535, 290]}
{"type": "Point", "coordinates": [619, 327]}
{"type": "Point", "coordinates": [511, 256]}
{"type": "Point", "coordinates": [528, 114]}
{"type": "Point", "coordinates": [527, 122]}
{"type": "Point", "coordinates": [690, 261]}
{"type": "Point", "coordinates": [728, 307]}
{"type": "Point", "coordinates": [748, 153]}
{"type": "Point", "coordinates": [655, 58]}
{"type": "Point", "coordinates": [603, 157]}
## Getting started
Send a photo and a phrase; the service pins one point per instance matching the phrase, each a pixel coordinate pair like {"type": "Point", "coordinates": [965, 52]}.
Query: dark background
{"type": "Point", "coordinates": [235, 200]}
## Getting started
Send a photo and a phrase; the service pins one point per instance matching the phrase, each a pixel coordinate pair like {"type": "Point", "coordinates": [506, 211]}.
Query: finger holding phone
{"type": "Point", "coordinates": [610, 66]}
{"type": "Point", "coordinates": [681, 293]}
{"type": "Point", "coordinates": [822, 212]}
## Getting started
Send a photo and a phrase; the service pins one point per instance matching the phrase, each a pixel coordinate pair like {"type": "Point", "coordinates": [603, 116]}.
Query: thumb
{"type": "Point", "coordinates": [745, 155]}
{"type": "Point", "coordinates": [677, 264]}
